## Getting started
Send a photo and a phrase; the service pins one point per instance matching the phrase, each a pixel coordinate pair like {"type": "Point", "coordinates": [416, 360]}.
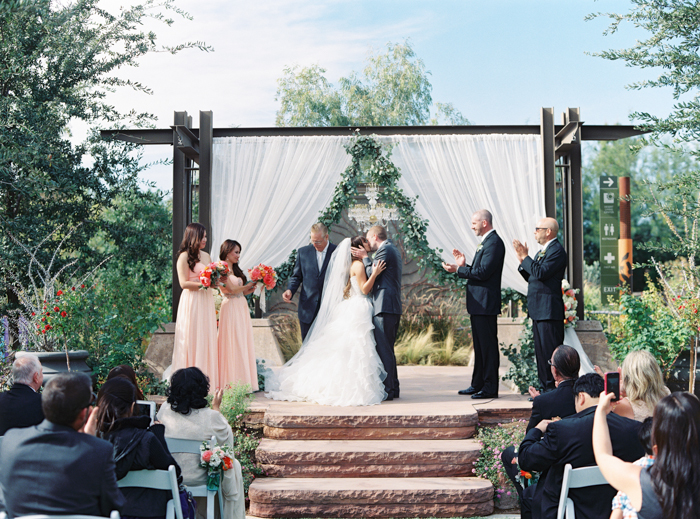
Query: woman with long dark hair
{"type": "Point", "coordinates": [187, 415]}
{"type": "Point", "coordinates": [138, 445]}
{"type": "Point", "coordinates": [670, 489]}
{"type": "Point", "coordinates": [236, 348]}
{"type": "Point", "coordinates": [195, 326]}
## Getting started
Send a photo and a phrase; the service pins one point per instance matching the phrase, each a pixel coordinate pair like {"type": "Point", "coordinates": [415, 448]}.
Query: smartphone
{"type": "Point", "coordinates": [145, 408]}
{"type": "Point", "coordinates": [612, 384]}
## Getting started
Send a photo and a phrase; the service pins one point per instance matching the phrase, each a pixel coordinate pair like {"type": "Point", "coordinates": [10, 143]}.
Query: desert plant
{"type": "Point", "coordinates": [288, 334]}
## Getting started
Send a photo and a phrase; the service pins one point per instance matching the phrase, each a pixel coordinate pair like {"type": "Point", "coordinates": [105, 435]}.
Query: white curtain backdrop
{"type": "Point", "coordinates": [268, 191]}
{"type": "Point", "coordinates": [454, 175]}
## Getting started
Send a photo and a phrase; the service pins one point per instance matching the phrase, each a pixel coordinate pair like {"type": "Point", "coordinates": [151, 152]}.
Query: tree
{"type": "Point", "coordinates": [58, 61]}
{"type": "Point", "coordinates": [393, 90]}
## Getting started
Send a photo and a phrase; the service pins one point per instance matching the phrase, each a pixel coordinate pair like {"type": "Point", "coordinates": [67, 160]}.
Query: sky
{"type": "Point", "coordinates": [497, 61]}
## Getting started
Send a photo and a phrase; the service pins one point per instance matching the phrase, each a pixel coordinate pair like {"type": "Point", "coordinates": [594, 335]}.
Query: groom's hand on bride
{"type": "Point", "coordinates": [358, 252]}
{"type": "Point", "coordinates": [287, 296]}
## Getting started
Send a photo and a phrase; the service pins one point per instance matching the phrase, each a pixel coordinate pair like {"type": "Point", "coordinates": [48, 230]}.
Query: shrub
{"type": "Point", "coordinates": [523, 369]}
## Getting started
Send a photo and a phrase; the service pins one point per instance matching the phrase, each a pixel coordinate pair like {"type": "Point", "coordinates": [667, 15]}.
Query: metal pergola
{"type": "Point", "coordinates": [561, 149]}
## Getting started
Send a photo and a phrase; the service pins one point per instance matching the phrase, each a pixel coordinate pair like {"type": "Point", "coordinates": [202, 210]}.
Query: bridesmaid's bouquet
{"type": "Point", "coordinates": [213, 274]}
{"type": "Point", "coordinates": [266, 279]}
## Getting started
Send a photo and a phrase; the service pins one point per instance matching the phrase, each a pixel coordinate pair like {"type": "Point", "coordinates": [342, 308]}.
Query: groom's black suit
{"type": "Point", "coordinates": [307, 275]}
{"type": "Point", "coordinates": [545, 304]}
{"type": "Point", "coordinates": [386, 296]}
{"type": "Point", "coordinates": [484, 306]}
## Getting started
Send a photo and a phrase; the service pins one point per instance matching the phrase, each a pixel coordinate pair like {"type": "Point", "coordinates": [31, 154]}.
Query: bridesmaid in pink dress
{"type": "Point", "coordinates": [195, 326]}
{"type": "Point", "coordinates": [236, 347]}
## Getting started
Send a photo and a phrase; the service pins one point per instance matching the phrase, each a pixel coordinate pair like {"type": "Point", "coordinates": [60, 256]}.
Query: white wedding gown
{"type": "Point", "coordinates": [338, 363]}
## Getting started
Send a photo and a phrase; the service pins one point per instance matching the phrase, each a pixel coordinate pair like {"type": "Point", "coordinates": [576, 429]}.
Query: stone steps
{"type": "Point", "coordinates": [371, 497]}
{"type": "Point", "coordinates": [367, 458]}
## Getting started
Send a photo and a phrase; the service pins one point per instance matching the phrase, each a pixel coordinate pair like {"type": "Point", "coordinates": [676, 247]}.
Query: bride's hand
{"type": "Point", "coordinates": [379, 267]}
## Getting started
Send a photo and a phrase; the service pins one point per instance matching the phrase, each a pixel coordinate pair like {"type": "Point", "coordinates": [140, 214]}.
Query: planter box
{"type": "Point", "coordinates": [54, 362]}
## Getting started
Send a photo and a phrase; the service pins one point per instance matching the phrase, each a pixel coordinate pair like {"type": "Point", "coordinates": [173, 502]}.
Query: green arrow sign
{"type": "Point", "coordinates": [609, 234]}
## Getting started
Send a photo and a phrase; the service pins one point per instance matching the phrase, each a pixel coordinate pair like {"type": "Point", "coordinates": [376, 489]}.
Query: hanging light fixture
{"type": "Point", "coordinates": [374, 213]}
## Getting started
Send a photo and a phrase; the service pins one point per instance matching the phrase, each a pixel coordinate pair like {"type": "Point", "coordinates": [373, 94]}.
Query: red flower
{"type": "Point", "coordinates": [43, 331]}
{"type": "Point", "coordinates": [72, 288]}
{"type": "Point", "coordinates": [43, 319]}
{"type": "Point", "coordinates": [47, 327]}
{"type": "Point", "coordinates": [82, 286]}
{"type": "Point", "coordinates": [206, 282]}
{"type": "Point", "coordinates": [63, 314]}
{"type": "Point", "coordinates": [33, 314]}
{"type": "Point", "coordinates": [59, 293]}
{"type": "Point", "coordinates": [56, 309]}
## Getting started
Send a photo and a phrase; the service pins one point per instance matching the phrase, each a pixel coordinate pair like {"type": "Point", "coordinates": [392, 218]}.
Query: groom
{"type": "Point", "coordinates": [386, 296]}
{"type": "Point", "coordinates": [309, 272]}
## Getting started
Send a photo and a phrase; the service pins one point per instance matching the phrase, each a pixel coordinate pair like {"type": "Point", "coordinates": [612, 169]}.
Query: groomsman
{"type": "Point", "coordinates": [309, 272]}
{"type": "Point", "coordinates": [483, 303]}
{"type": "Point", "coordinates": [544, 298]}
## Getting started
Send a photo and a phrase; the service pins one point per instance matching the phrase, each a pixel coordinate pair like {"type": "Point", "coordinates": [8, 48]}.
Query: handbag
{"type": "Point", "coordinates": [189, 505]}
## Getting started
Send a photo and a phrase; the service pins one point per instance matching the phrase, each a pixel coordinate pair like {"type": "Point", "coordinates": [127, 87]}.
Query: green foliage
{"type": "Point", "coordinates": [393, 89]}
{"type": "Point", "coordinates": [510, 294]}
{"type": "Point", "coordinates": [261, 370]}
{"type": "Point", "coordinates": [523, 369]}
{"type": "Point", "coordinates": [494, 440]}
{"type": "Point", "coordinates": [647, 323]}
{"type": "Point", "coordinates": [235, 403]}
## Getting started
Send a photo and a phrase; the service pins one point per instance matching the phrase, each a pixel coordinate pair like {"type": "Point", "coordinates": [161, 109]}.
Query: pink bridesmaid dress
{"type": "Point", "coordinates": [195, 331]}
{"type": "Point", "coordinates": [236, 346]}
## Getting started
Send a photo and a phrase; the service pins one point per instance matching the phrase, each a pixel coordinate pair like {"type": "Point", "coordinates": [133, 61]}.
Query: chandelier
{"type": "Point", "coordinates": [374, 213]}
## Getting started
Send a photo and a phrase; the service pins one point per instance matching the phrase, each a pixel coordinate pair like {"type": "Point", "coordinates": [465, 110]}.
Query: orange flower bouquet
{"type": "Point", "coordinates": [213, 274]}
{"type": "Point", "coordinates": [266, 279]}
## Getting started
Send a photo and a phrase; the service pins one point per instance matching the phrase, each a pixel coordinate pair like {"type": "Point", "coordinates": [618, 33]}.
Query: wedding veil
{"type": "Point", "coordinates": [337, 275]}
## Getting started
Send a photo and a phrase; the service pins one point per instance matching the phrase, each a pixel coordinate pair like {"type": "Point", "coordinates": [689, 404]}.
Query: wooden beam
{"type": "Point", "coordinates": [548, 160]}
{"type": "Point", "coordinates": [206, 145]}
{"type": "Point", "coordinates": [180, 198]}
{"type": "Point", "coordinates": [574, 206]}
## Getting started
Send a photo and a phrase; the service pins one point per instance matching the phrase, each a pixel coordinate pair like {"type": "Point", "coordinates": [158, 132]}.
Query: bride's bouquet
{"type": "Point", "coordinates": [216, 461]}
{"type": "Point", "coordinates": [266, 279]}
{"type": "Point", "coordinates": [213, 274]}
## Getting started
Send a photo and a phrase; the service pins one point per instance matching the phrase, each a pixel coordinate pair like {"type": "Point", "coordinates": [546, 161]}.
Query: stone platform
{"type": "Point", "coordinates": [411, 457]}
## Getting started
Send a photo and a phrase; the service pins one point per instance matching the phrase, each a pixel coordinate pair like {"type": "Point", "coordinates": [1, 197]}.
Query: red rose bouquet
{"type": "Point", "coordinates": [266, 278]}
{"type": "Point", "coordinates": [213, 274]}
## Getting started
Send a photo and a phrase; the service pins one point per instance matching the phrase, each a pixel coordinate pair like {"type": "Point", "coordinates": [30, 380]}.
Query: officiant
{"type": "Point", "coordinates": [309, 273]}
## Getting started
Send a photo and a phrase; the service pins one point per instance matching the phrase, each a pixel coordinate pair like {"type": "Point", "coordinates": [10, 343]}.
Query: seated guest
{"type": "Point", "coordinates": [642, 382]}
{"type": "Point", "coordinates": [51, 468]}
{"type": "Point", "coordinates": [670, 488]}
{"type": "Point", "coordinates": [186, 415]}
{"type": "Point", "coordinates": [552, 444]}
{"type": "Point", "coordinates": [21, 405]}
{"type": "Point", "coordinates": [137, 445]}
{"type": "Point", "coordinates": [565, 365]}
{"type": "Point", "coordinates": [621, 506]}
{"type": "Point", "coordinates": [126, 371]}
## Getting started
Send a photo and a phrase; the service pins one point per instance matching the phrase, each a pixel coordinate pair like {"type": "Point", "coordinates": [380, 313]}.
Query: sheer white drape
{"type": "Point", "coordinates": [268, 191]}
{"type": "Point", "coordinates": [454, 175]}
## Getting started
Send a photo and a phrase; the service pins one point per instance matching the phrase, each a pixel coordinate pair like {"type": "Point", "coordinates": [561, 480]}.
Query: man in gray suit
{"type": "Point", "coordinates": [386, 296]}
{"type": "Point", "coordinates": [51, 468]}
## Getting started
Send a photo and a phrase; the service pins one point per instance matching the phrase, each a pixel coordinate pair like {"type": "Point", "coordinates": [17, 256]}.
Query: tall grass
{"type": "Point", "coordinates": [288, 334]}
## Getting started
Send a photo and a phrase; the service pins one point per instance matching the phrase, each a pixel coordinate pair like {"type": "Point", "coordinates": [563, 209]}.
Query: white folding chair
{"type": "Point", "coordinates": [159, 480]}
{"type": "Point", "coordinates": [151, 408]}
{"type": "Point", "coordinates": [192, 447]}
{"type": "Point", "coordinates": [113, 515]}
{"type": "Point", "coordinates": [576, 478]}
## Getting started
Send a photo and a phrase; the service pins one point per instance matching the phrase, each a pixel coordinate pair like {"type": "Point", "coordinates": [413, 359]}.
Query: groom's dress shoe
{"type": "Point", "coordinates": [482, 396]}
{"type": "Point", "coordinates": [389, 397]}
{"type": "Point", "coordinates": [469, 391]}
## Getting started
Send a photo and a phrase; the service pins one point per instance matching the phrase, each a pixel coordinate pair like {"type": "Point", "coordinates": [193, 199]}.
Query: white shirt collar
{"type": "Point", "coordinates": [325, 249]}
{"type": "Point", "coordinates": [485, 235]}
{"type": "Point", "coordinates": [545, 245]}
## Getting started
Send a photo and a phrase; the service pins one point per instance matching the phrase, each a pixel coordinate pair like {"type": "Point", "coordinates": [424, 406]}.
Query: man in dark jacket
{"type": "Point", "coordinates": [544, 297]}
{"type": "Point", "coordinates": [53, 469]}
{"type": "Point", "coordinates": [309, 272]}
{"type": "Point", "coordinates": [552, 444]}
{"type": "Point", "coordinates": [21, 405]}
{"type": "Point", "coordinates": [483, 303]}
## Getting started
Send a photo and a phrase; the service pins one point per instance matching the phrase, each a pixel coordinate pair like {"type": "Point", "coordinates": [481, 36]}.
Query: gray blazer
{"type": "Point", "coordinates": [386, 293]}
{"type": "Point", "coordinates": [53, 469]}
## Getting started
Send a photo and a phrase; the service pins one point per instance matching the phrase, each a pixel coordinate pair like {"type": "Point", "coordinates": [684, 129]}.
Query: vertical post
{"type": "Point", "coordinates": [548, 160]}
{"type": "Point", "coordinates": [180, 212]}
{"type": "Point", "coordinates": [625, 240]}
{"type": "Point", "coordinates": [206, 142]}
{"type": "Point", "coordinates": [575, 213]}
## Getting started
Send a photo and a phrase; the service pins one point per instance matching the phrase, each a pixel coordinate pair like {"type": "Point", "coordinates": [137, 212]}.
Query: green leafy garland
{"type": "Point", "coordinates": [367, 151]}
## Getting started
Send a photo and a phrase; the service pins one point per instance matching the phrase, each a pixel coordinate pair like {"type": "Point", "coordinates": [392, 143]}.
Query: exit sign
{"type": "Point", "coordinates": [609, 234]}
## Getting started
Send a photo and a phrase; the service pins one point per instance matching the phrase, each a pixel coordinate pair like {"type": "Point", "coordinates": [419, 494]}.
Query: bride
{"type": "Point", "coordinates": [337, 363]}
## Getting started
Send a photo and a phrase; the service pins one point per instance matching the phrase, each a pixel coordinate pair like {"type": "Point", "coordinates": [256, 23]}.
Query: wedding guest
{"type": "Point", "coordinates": [309, 273]}
{"type": "Point", "coordinates": [21, 405]}
{"type": "Point", "coordinates": [126, 371]}
{"type": "Point", "coordinates": [51, 468]}
{"type": "Point", "coordinates": [186, 415]}
{"type": "Point", "coordinates": [483, 303]}
{"type": "Point", "coordinates": [641, 386]}
{"type": "Point", "coordinates": [565, 364]}
{"type": "Point", "coordinates": [235, 340]}
{"type": "Point", "coordinates": [195, 326]}
{"type": "Point", "coordinates": [137, 445]}
{"type": "Point", "coordinates": [670, 488]}
{"type": "Point", "coordinates": [621, 506]}
{"type": "Point", "coordinates": [545, 305]}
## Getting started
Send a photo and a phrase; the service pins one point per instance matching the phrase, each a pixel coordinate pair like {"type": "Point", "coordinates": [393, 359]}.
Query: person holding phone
{"type": "Point", "coordinates": [236, 348]}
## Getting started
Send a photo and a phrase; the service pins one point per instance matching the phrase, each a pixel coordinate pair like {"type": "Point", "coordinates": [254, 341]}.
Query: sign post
{"type": "Point", "coordinates": [609, 234]}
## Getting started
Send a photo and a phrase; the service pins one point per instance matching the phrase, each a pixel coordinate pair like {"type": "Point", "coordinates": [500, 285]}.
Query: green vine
{"type": "Point", "coordinates": [368, 151]}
